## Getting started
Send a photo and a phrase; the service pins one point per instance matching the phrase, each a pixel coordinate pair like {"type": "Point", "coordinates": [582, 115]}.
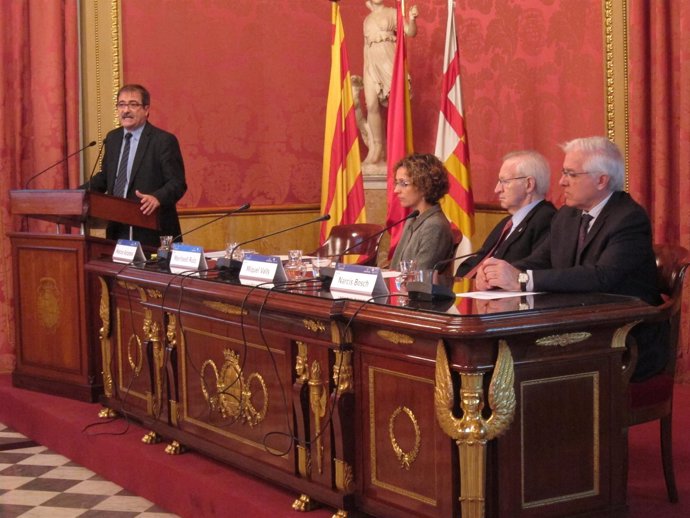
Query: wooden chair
{"type": "Point", "coordinates": [652, 399]}
{"type": "Point", "coordinates": [357, 239]}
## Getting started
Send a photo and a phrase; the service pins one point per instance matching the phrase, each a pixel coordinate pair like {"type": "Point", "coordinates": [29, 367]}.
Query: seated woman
{"type": "Point", "coordinates": [420, 182]}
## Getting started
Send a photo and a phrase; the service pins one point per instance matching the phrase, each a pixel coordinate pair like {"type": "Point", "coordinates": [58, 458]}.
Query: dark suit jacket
{"type": "Point", "coordinates": [617, 258]}
{"type": "Point", "coordinates": [158, 170]}
{"type": "Point", "coordinates": [531, 231]}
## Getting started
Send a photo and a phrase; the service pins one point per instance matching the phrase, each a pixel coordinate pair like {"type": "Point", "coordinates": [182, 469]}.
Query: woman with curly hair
{"type": "Point", "coordinates": [421, 181]}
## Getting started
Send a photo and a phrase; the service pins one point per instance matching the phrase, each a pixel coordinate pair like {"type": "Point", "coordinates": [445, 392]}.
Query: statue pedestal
{"type": "Point", "coordinates": [374, 176]}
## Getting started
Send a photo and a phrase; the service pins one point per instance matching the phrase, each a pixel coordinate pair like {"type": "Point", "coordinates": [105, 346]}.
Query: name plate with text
{"type": "Point", "coordinates": [352, 281]}
{"type": "Point", "coordinates": [262, 269]}
{"type": "Point", "coordinates": [128, 252]}
{"type": "Point", "coordinates": [187, 258]}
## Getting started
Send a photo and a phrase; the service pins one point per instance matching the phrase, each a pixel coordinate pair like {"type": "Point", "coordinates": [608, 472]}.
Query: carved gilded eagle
{"type": "Point", "coordinates": [472, 426]}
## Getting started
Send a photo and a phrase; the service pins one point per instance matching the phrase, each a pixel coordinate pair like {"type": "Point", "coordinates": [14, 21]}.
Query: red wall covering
{"type": "Point", "coordinates": [243, 84]}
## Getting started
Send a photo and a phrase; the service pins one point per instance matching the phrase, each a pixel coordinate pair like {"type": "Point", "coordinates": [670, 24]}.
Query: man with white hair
{"type": "Point", "coordinates": [523, 181]}
{"type": "Point", "coordinates": [600, 241]}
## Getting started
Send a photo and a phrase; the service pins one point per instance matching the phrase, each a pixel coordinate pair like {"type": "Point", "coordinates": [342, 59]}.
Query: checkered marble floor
{"type": "Point", "coordinates": [38, 483]}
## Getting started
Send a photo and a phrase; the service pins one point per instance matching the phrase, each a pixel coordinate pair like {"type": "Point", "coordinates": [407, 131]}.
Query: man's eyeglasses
{"type": "Point", "coordinates": [506, 181]}
{"type": "Point", "coordinates": [571, 174]}
{"type": "Point", "coordinates": [402, 183]}
{"type": "Point", "coordinates": [132, 105]}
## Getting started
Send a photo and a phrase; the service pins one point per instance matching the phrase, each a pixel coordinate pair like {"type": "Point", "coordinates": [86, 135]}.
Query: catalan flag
{"type": "Point", "coordinates": [342, 188]}
{"type": "Point", "coordinates": [451, 141]}
{"type": "Point", "coordinates": [399, 129]}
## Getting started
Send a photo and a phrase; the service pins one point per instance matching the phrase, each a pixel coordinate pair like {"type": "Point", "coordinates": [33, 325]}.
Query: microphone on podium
{"type": "Point", "coordinates": [163, 254]}
{"type": "Point", "coordinates": [233, 265]}
{"type": "Point", "coordinates": [64, 159]}
{"type": "Point", "coordinates": [427, 290]}
{"type": "Point", "coordinates": [326, 274]}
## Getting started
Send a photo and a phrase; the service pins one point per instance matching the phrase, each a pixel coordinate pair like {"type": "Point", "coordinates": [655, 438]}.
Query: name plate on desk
{"type": "Point", "coordinates": [187, 258]}
{"type": "Point", "coordinates": [127, 252]}
{"type": "Point", "coordinates": [262, 269]}
{"type": "Point", "coordinates": [357, 282]}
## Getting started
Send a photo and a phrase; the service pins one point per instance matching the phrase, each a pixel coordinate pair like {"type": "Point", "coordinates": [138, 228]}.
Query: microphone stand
{"type": "Point", "coordinates": [427, 291]}
{"type": "Point", "coordinates": [64, 159]}
{"type": "Point", "coordinates": [233, 266]}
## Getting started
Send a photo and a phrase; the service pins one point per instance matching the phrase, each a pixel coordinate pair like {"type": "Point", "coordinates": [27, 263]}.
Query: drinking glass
{"type": "Point", "coordinates": [408, 272]}
{"type": "Point", "coordinates": [294, 268]}
{"type": "Point", "coordinates": [318, 262]}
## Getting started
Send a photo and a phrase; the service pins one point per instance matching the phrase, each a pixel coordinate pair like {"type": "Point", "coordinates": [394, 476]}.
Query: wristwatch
{"type": "Point", "coordinates": [523, 279]}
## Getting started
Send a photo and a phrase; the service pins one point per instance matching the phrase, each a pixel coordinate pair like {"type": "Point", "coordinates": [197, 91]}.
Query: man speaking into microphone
{"type": "Point", "coordinates": [144, 163]}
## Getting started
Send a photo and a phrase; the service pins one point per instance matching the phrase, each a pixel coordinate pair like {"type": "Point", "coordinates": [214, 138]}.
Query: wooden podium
{"type": "Point", "coordinates": [56, 305]}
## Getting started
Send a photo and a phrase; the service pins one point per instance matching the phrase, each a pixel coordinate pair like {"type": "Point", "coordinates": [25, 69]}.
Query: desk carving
{"type": "Point", "coordinates": [472, 431]}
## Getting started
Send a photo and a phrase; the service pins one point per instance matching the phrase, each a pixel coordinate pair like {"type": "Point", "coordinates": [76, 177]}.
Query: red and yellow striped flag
{"type": "Point", "coordinates": [399, 129]}
{"type": "Point", "coordinates": [451, 142]}
{"type": "Point", "coordinates": [342, 187]}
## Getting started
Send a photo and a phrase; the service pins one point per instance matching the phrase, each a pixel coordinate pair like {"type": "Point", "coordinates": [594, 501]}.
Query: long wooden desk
{"type": "Point", "coordinates": [336, 399]}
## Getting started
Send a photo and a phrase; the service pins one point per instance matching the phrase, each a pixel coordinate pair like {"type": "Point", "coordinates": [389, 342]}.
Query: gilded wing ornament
{"type": "Point", "coordinates": [472, 425]}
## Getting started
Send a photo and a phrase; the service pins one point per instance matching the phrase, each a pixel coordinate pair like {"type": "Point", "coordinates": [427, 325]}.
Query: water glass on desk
{"type": "Point", "coordinates": [294, 268]}
{"type": "Point", "coordinates": [318, 262]}
{"type": "Point", "coordinates": [408, 273]}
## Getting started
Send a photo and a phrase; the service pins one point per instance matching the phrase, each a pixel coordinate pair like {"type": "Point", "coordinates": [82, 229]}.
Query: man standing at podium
{"type": "Point", "coordinates": [143, 163]}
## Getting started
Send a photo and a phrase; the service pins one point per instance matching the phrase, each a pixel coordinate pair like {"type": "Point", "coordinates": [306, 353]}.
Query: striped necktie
{"type": "Point", "coordinates": [490, 253]}
{"type": "Point", "coordinates": [121, 178]}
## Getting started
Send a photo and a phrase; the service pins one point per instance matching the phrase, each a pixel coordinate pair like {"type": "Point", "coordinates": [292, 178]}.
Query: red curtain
{"type": "Point", "coordinates": [39, 118]}
{"type": "Point", "coordinates": [659, 171]}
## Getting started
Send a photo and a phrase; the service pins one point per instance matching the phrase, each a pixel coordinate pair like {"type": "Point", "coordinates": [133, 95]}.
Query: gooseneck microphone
{"type": "Point", "coordinates": [64, 159]}
{"type": "Point", "coordinates": [232, 264]}
{"type": "Point", "coordinates": [430, 292]}
{"type": "Point", "coordinates": [95, 165]}
{"type": "Point", "coordinates": [229, 213]}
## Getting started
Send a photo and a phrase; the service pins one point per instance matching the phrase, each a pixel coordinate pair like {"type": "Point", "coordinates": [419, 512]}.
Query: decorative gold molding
{"type": "Point", "coordinates": [104, 336]}
{"type": "Point", "coordinates": [314, 326]}
{"type": "Point", "coordinates": [615, 34]}
{"type": "Point", "coordinates": [318, 402]}
{"type": "Point", "coordinates": [342, 372]}
{"type": "Point", "coordinates": [344, 476]}
{"type": "Point", "coordinates": [406, 459]}
{"type": "Point", "coordinates": [562, 340]}
{"type": "Point", "coordinates": [393, 337]}
{"type": "Point", "coordinates": [223, 307]}
{"type": "Point", "coordinates": [620, 335]}
{"type": "Point", "coordinates": [301, 364]}
{"type": "Point", "coordinates": [472, 431]}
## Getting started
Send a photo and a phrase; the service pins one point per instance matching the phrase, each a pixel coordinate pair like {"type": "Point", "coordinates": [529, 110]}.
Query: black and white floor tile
{"type": "Point", "coordinates": [38, 483]}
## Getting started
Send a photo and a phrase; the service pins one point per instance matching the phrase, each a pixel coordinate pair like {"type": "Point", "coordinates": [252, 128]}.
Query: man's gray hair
{"type": "Point", "coordinates": [601, 157]}
{"type": "Point", "coordinates": [531, 163]}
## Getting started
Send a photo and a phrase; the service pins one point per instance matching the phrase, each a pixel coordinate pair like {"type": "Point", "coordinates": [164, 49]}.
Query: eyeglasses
{"type": "Point", "coordinates": [572, 174]}
{"type": "Point", "coordinates": [402, 183]}
{"type": "Point", "coordinates": [132, 105]}
{"type": "Point", "coordinates": [506, 181]}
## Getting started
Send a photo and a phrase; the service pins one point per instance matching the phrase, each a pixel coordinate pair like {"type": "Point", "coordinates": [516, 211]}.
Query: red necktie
{"type": "Point", "coordinates": [490, 253]}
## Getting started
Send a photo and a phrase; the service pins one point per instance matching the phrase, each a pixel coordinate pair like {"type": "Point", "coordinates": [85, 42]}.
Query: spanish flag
{"type": "Point", "coordinates": [399, 129]}
{"type": "Point", "coordinates": [342, 187]}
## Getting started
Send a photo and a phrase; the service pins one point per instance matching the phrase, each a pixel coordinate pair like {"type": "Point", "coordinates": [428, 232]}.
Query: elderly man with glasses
{"type": "Point", "coordinates": [600, 241]}
{"type": "Point", "coordinates": [142, 163]}
{"type": "Point", "coordinates": [523, 181]}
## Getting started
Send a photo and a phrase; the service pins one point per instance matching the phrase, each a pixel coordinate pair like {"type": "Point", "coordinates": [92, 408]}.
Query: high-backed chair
{"type": "Point", "coordinates": [449, 267]}
{"type": "Point", "coordinates": [652, 399]}
{"type": "Point", "coordinates": [357, 239]}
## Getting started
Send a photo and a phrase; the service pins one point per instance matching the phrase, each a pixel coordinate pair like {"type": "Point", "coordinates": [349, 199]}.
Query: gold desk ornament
{"type": "Point", "coordinates": [342, 372]}
{"type": "Point", "coordinates": [107, 413]}
{"type": "Point", "coordinates": [135, 363]}
{"type": "Point", "coordinates": [104, 337]}
{"type": "Point", "coordinates": [304, 504]}
{"type": "Point", "coordinates": [472, 431]}
{"type": "Point", "coordinates": [318, 402]}
{"type": "Point", "coordinates": [621, 334]}
{"type": "Point", "coordinates": [406, 459]}
{"type": "Point", "coordinates": [228, 309]}
{"type": "Point", "coordinates": [340, 513]}
{"type": "Point", "coordinates": [313, 325]}
{"type": "Point", "coordinates": [175, 448]}
{"type": "Point", "coordinates": [151, 438]}
{"type": "Point", "coordinates": [344, 476]}
{"type": "Point", "coordinates": [395, 338]}
{"type": "Point", "coordinates": [154, 294]}
{"type": "Point", "coordinates": [563, 340]}
{"type": "Point", "coordinates": [301, 364]}
{"type": "Point", "coordinates": [233, 397]}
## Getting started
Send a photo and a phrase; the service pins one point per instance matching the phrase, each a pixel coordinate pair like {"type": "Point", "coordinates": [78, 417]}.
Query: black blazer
{"type": "Point", "coordinates": [617, 258]}
{"type": "Point", "coordinates": [158, 169]}
{"type": "Point", "coordinates": [531, 231]}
